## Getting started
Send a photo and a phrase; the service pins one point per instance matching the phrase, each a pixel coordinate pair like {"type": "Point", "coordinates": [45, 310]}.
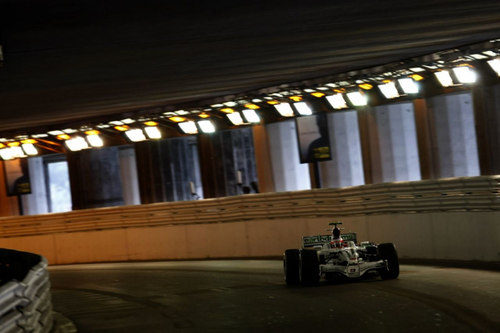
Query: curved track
{"type": "Point", "coordinates": [251, 296]}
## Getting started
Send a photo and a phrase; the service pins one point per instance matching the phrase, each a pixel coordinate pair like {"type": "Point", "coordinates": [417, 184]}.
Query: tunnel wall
{"type": "Point", "coordinates": [453, 219]}
{"type": "Point", "coordinates": [449, 236]}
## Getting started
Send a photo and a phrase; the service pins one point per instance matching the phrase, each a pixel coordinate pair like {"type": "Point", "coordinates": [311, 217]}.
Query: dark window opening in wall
{"type": "Point", "coordinates": [240, 171]}
{"type": "Point", "coordinates": [181, 169]}
{"type": "Point", "coordinates": [57, 183]}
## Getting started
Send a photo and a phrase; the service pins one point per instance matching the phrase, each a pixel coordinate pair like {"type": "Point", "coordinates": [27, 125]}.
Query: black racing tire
{"type": "Point", "coordinates": [309, 267]}
{"type": "Point", "coordinates": [387, 251]}
{"type": "Point", "coordinates": [291, 260]}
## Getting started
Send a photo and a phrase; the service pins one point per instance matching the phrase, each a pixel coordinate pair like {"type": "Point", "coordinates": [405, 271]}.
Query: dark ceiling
{"type": "Point", "coordinates": [68, 60]}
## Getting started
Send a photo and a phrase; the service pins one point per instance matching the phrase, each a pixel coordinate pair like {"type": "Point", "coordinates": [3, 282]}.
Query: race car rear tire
{"type": "Point", "coordinates": [291, 260]}
{"type": "Point", "coordinates": [309, 267]}
{"type": "Point", "coordinates": [387, 251]}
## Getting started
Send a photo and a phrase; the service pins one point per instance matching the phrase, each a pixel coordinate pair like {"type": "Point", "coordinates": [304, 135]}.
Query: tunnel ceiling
{"type": "Point", "coordinates": [70, 60]}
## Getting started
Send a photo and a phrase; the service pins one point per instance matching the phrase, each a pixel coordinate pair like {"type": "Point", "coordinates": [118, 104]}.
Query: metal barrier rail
{"type": "Point", "coordinates": [454, 194]}
{"type": "Point", "coordinates": [26, 306]}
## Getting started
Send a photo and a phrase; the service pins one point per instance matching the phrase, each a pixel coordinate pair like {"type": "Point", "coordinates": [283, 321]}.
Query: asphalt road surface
{"type": "Point", "coordinates": [250, 296]}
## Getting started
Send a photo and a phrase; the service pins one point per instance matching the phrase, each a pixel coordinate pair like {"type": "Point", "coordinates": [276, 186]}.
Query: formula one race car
{"type": "Point", "coordinates": [335, 256]}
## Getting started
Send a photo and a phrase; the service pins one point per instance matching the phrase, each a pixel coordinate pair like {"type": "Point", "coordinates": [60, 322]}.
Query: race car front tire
{"type": "Point", "coordinates": [291, 265]}
{"type": "Point", "coordinates": [309, 267]}
{"type": "Point", "coordinates": [387, 251]}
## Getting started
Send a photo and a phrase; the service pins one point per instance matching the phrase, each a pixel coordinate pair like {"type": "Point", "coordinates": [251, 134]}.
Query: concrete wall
{"type": "Point", "coordinates": [288, 173]}
{"type": "Point", "coordinates": [454, 235]}
{"type": "Point", "coordinates": [346, 166]}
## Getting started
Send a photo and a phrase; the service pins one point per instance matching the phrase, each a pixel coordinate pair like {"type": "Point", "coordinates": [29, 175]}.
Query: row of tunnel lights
{"type": "Point", "coordinates": [463, 74]}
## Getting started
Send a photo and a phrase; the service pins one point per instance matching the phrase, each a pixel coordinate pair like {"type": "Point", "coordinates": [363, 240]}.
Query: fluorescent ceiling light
{"type": "Point", "coordinates": [17, 151]}
{"type": "Point", "coordinates": [478, 56]}
{"type": "Point", "coordinates": [153, 132]}
{"type": "Point", "coordinates": [408, 85]}
{"type": "Point", "coordinates": [284, 109]}
{"type": "Point", "coordinates": [251, 116]}
{"type": "Point", "coordinates": [207, 126]}
{"type": "Point", "coordinates": [235, 118]}
{"type": "Point", "coordinates": [465, 74]}
{"type": "Point", "coordinates": [128, 121]}
{"type": "Point", "coordinates": [389, 90]}
{"type": "Point", "coordinates": [135, 135]}
{"type": "Point", "coordinates": [357, 98]}
{"type": "Point", "coordinates": [495, 65]}
{"type": "Point", "coordinates": [337, 101]}
{"type": "Point", "coordinates": [30, 149]}
{"type": "Point", "coordinates": [76, 144]}
{"type": "Point", "coordinates": [444, 78]}
{"type": "Point", "coordinates": [6, 154]}
{"type": "Point", "coordinates": [188, 127]}
{"type": "Point", "coordinates": [95, 140]}
{"type": "Point", "coordinates": [490, 53]}
{"type": "Point", "coordinates": [55, 132]}
{"type": "Point", "coordinates": [303, 109]}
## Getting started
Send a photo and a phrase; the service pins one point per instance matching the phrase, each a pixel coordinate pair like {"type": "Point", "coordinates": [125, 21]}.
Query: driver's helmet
{"type": "Point", "coordinates": [336, 233]}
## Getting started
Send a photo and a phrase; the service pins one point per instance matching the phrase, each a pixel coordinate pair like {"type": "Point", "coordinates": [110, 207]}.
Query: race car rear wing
{"type": "Point", "coordinates": [320, 240]}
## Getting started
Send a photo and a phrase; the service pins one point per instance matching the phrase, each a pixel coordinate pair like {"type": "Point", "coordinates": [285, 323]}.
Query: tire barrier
{"type": "Point", "coordinates": [25, 302]}
{"type": "Point", "coordinates": [442, 195]}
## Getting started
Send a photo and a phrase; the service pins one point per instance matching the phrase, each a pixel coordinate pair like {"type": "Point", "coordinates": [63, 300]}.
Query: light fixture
{"type": "Point", "coordinates": [63, 137]}
{"type": "Point", "coordinates": [204, 115]}
{"type": "Point", "coordinates": [188, 127]}
{"type": "Point", "coordinates": [408, 85]}
{"type": "Point", "coordinates": [94, 139]}
{"type": "Point", "coordinates": [29, 148]}
{"type": "Point", "coordinates": [152, 130]}
{"type": "Point", "coordinates": [55, 132]}
{"type": "Point", "coordinates": [444, 78]}
{"type": "Point", "coordinates": [122, 128]}
{"type": "Point", "coordinates": [417, 77]}
{"type": "Point", "coordinates": [273, 102]}
{"type": "Point", "coordinates": [6, 154]}
{"type": "Point", "coordinates": [303, 109]}
{"type": "Point", "coordinates": [177, 119]}
{"type": "Point", "coordinates": [76, 143]}
{"type": "Point", "coordinates": [235, 118]}
{"type": "Point", "coordinates": [252, 106]}
{"type": "Point", "coordinates": [318, 94]}
{"type": "Point", "coordinates": [128, 121]}
{"type": "Point", "coordinates": [296, 98]}
{"type": "Point", "coordinates": [284, 109]}
{"type": "Point", "coordinates": [389, 90]}
{"type": "Point", "coordinates": [251, 116]}
{"type": "Point", "coordinates": [227, 110]}
{"type": "Point", "coordinates": [15, 149]}
{"type": "Point", "coordinates": [495, 65]}
{"type": "Point", "coordinates": [337, 101]}
{"type": "Point", "coordinates": [465, 74]}
{"type": "Point", "coordinates": [365, 86]}
{"type": "Point", "coordinates": [135, 135]}
{"type": "Point", "coordinates": [357, 98]}
{"type": "Point", "coordinates": [207, 126]}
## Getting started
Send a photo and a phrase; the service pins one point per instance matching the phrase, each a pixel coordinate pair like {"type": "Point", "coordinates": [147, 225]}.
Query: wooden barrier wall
{"type": "Point", "coordinates": [264, 224]}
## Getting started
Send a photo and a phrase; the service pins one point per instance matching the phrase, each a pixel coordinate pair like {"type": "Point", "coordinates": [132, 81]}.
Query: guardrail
{"type": "Point", "coordinates": [25, 302]}
{"type": "Point", "coordinates": [455, 194]}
